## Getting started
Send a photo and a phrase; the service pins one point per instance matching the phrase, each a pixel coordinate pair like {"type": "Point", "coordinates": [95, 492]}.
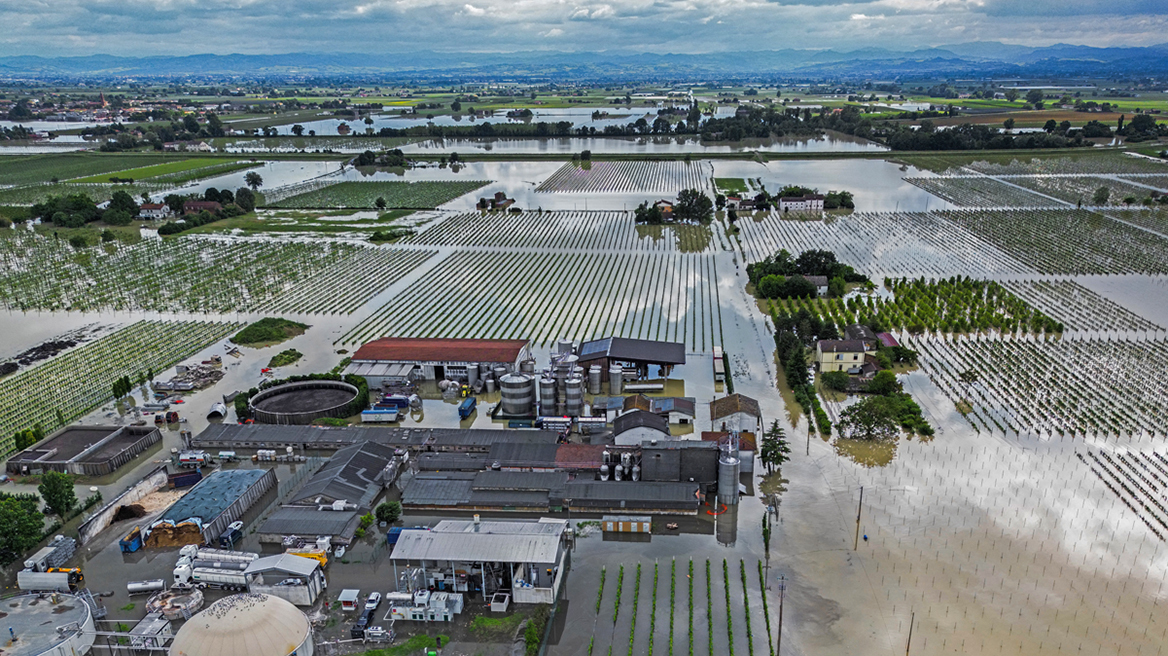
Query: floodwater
{"type": "Point", "coordinates": [391, 118]}
{"type": "Point", "coordinates": [986, 543]}
{"type": "Point", "coordinates": [837, 143]}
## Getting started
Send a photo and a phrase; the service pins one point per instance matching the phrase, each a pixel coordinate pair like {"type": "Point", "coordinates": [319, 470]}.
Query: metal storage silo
{"type": "Point", "coordinates": [728, 478]}
{"type": "Point", "coordinates": [564, 346]}
{"type": "Point", "coordinates": [499, 371]}
{"type": "Point", "coordinates": [472, 374]}
{"type": "Point", "coordinates": [615, 379]}
{"type": "Point", "coordinates": [527, 367]}
{"type": "Point", "coordinates": [574, 396]}
{"type": "Point", "coordinates": [547, 396]}
{"type": "Point", "coordinates": [594, 379]}
{"type": "Point", "coordinates": [516, 396]}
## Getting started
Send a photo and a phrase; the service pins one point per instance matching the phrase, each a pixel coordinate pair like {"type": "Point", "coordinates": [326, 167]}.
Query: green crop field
{"type": "Point", "coordinates": [404, 195]}
{"type": "Point", "coordinates": [176, 171]}
{"type": "Point", "coordinates": [98, 192]}
{"type": "Point", "coordinates": [43, 168]}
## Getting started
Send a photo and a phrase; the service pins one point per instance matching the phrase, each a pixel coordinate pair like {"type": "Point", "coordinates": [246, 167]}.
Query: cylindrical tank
{"type": "Point", "coordinates": [547, 395]}
{"type": "Point", "coordinates": [220, 564]}
{"type": "Point", "coordinates": [605, 457]}
{"type": "Point", "coordinates": [490, 386]}
{"type": "Point", "coordinates": [618, 472]}
{"type": "Point", "coordinates": [636, 472]}
{"type": "Point", "coordinates": [626, 459]}
{"type": "Point", "coordinates": [604, 472]}
{"type": "Point", "coordinates": [499, 371]}
{"type": "Point", "coordinates": [615, 379]}
{"type": "Point", "coordinates": [563, 346]}
{"type": "Point", "coordinates": [728, 479]}
{"type": "Point", "coordinates": [527, 367]}
{"type": "Point", "coordinates": [257, 625]}
{"type": "Point", "coordinates": [516, 396]}
{"type": "Point", "coordinates": [574, 397]}
{"type": "Point", "coordinates": [140, 587]}
{"type": "Point", "coordinates": [594, 379]}
{"type": "Point", "coordinates": [726, 526]}
{"type": "Point", "coordinates": [484, 369]}
{"type": "Point", "coordinates": [472, 374]}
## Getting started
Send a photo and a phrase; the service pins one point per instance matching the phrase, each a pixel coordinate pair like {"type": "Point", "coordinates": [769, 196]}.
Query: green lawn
{"type": "Point", "coordinates": [403, 195]}
{"type": "Point", "coordinates": [731, 185]}
{"type": "Point", "coordinates": [168, 168]}
{"type": "Point", "coordinates": [19, 170]}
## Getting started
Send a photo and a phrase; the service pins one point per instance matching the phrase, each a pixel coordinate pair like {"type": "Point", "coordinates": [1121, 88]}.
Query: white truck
{"type": "Point", "coordinates": [51, 581]}
{"type": "Point", "coordinates": [225, 579]}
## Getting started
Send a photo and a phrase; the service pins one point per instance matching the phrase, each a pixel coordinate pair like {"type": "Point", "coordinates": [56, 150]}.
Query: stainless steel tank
{"type": "Point", "coordinates": [728, 479]}
{"type": "Point", "coordinates": [547, 395]}
{"type": "Point", "coordinates": [594, 379]}
{"type": "Point", "coordinates": [574, 396]}
{"type": "Point", "coordinates": [472, 374]}
{"type": "Point", "coordinates": [515, 393]}
{"type": "Point", "coordinates": [615, 379]}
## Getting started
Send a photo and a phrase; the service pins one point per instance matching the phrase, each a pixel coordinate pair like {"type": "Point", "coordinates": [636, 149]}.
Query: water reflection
{"type": "Point", "coordinates": [867, 453]}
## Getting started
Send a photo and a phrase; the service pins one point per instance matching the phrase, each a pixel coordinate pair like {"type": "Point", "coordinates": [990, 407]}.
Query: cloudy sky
{"type": "Point", "coordinates": [149, 27]}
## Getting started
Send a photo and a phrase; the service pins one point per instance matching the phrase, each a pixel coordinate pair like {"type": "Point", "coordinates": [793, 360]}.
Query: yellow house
{"type": "Point", "coordinates": [841, 354]}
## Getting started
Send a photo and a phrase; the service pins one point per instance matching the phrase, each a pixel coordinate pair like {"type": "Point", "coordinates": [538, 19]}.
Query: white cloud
{"type": "Point", "coordinates": [552, 33]}
{"type": "Point", "coordinates": [471, 10]}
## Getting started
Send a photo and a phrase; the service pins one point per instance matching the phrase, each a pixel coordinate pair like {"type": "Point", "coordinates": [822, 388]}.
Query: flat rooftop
{"type": "Point", "coordinates": [69, 443]}
{"type": "Point", "coordinates": [401, 349]}
{"type": "Point", "coordinates": [258, 436]}
{"type": "Point", "coordinates": [34, 620]}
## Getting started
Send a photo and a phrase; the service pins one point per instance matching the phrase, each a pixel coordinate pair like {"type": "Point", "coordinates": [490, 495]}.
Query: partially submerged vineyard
{"type": "Point", "coordinates": [971, 191]}
{"type": "Point", "coordinates": [1077, 307]}
{"type": "Point", "coordinates": [574, 230]}
{"type": "Point", "coordinates": [196, 274]}
{"type": "Point", "coordinates": [1089, 387]}
{"type": "Point", "coordinates": [364, 195]}
{"type": "Point", "coordinates": [550, 295]}
{"type": "Point", "coordinates": [73, 383]}
{"type": "Point", "coordinates": [664, 177]}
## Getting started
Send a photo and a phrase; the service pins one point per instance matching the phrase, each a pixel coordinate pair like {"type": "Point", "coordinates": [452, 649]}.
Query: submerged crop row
{"type": "Point", "coordinates": [980, 192]}
{"type": "Point", "coordinates": [195, 274]}
{"type": "Point", "coordinates": [365, 195]}
{"type": "Point", "coordinates": [1077, 307]}
{"type": "Point", "coordinates": [1064, 387]}
{"type": "Point", "coordinates": [71, 384]}
{"type": "Point", "coordinates": [558, 295]}
{"type": "Point", "coordinates": [606, 231]}
{"type": "Point", "coordinates": [666, 177]}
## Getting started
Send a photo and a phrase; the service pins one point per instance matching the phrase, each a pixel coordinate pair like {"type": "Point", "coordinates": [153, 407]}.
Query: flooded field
{"type": "Point", "coordinates": [1031, 524]}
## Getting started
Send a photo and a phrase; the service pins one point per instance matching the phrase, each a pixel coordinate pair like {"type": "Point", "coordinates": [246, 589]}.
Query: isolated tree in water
{"type": "Point", "coordinates": [253, 180]}
{"type": "Point", "coordinates": [775, 450]}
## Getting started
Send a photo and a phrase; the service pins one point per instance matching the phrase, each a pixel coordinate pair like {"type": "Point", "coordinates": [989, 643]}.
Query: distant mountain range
{"type": "Point", "coordinates": [982, 59]}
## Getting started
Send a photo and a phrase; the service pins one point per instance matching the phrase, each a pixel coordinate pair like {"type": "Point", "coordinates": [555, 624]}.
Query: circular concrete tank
{"type": "Point", "coordinates": [245, 625]}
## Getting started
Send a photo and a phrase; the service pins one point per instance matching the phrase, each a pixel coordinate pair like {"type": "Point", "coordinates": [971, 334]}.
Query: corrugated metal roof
{"type": "Point", "coordinates": [444, 461]}
{"type": "Point", "coordinates": [310, 521]}
{"type": "Point", "coordinates": [214, 494]}
{"type": "Point", "coordinates": [633, 350]}
{"type": "Point", "coordinates": [449, 489]}
{"type": "Point", "coordinates": [511, 454]}
{"type": "Point", "coordinates": [631, 491]}
{"type": "Point", "coordinates": [728, 405]}
{"type": "Point", "coordinates": [289, 563]}
{"type": "Point", "coordinates": [351, 474]}
{"type": "Point", "coordinates": [638, 418]}
{"type": "Point", "coordinates": [494, 542]}
{"type": "Point", "coordinates": [401, 349]}
{"type": "Point", "coordinates": [523, 481]}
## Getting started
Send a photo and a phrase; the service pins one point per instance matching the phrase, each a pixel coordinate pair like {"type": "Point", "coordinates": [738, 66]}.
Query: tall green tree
{"type": "Point", "coordinates": [253, 180]}
{"type": "Point", "coordinates": [57, 491]}
{"type": "Point", "coordinates": [774, 450]}
{"type": "Point", "coordinates": [22, 523]}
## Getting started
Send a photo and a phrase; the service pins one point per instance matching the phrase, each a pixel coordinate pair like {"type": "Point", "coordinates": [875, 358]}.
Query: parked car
{"type": "Point", "coordinates": [373, 601]}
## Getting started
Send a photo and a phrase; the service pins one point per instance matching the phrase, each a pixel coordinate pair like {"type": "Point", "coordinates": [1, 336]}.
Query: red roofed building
{"type": "Point", "coordinates": [391, 360]}
{"type": "Point", "coordinates": [196, 206]}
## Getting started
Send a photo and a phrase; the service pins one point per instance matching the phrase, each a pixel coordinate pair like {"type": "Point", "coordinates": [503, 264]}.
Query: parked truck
{"type": "Point", "coordinates": [193, 552]}
{"type": "Point", "coordinates": [225, 579]}
{"type": "Point", "coordinates": [56, 580]}
{"type": "Point", "coordinates": [184, 479]}
{"type": "Point", "coordinates": [466, 407]}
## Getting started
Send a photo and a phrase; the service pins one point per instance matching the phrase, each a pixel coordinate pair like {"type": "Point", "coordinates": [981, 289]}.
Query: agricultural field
{"type": "Point", "coordinates": [1077, 307]}
{"type": "Point", "coordinates": [978, 191]}
{"type": "Point", "coordinates": [882, 244]}
{"type": "Point", "coordinates": [17, 170]}
{"type": "Point", "coordinates": [574, 230]}
{"type": "Point", "coordinates": [73, 383]}
{"type": "Point", "coordinates": [706, 607]}
{"type": "Point", "coordinates": [1090, 162]}
{"type": "Point", "coordinates": [32, 194]}
{"type": "Point", "coordinates": [955, 305]}
{"type": "Point", "coordinates": [1082, 387]}
{"type": "Point", "coordinates": [563, 294]}
{"type": "Point", "coordinates": [1066, 241]}
{"type": "Point", "coordinates": [397, 195]}
{"type": "Point", "coordinates": [664, 177]}
{"type": "Point", "coordinates": [175, 171]}
{"type": "Point", "coordinates": [340, 223]}
{"type": "Point", "coordinates": [1080, 189]}
{"type": "Point", "coordinates": [196, 274]}
{"type": "Point", "coordinates": [1155, 219]}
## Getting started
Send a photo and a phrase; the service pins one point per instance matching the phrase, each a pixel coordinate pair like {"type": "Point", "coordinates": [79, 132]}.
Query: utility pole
{"type": "Point", "coordinates": [859, 509]}
{"type": "Point", "coordinates": [782, 589]}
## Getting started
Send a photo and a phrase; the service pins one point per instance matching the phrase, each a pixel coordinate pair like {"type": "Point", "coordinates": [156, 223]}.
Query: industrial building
{"type": "Point", "coordinates": [639, 426]}
{"type": "Point", "coordinates": [293, 578]}
{"type": "Point", "coordinates": [526, 560]}
{"type": "Point", "coordinates": [334, 498]}
{"type": "Point", "coordinates": [391, 361]}
{"type": "Point", "coordinates": [249, 624]}
{"type": "Point", "coordinates": [639, 496]}
{"type": "Point", "coordinates": [252, 436]}
{"type": "Point", "coordinates": [52, 625]}
{"type": "Point", "coordinates": [736, 412]}
{"type": "Point", "coordinates": [636, 354]}
{"type": "Point", "coordinates": [202, 515]}
{"type": "Point", "coordinates": [85, 450]}
{"type": "Point", "coordinates": [486, 490]}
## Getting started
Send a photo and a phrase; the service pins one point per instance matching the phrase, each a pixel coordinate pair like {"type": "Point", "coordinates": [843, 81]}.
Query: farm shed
{"type": "Point", "coordinates": [526, 559]}
{"type": "Point", "coordinates": [292, 520]}
{"type": "Point", "coordinates": [392, 360]}
{"type": "Point", "coordinates": [85, 450]}
{"type": "Point", "coordinates": [637, 354]}
{"type": "Point", "coordinates": [689, 461]}
{"type": "Point", "coordinates": [204, 513]}
{"type": "Point", "coordinates": [736, 412]}
{"type": "Point", "coordinates": [290, 577]}
{"type": "Point", "coordinates": [355, 474]}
